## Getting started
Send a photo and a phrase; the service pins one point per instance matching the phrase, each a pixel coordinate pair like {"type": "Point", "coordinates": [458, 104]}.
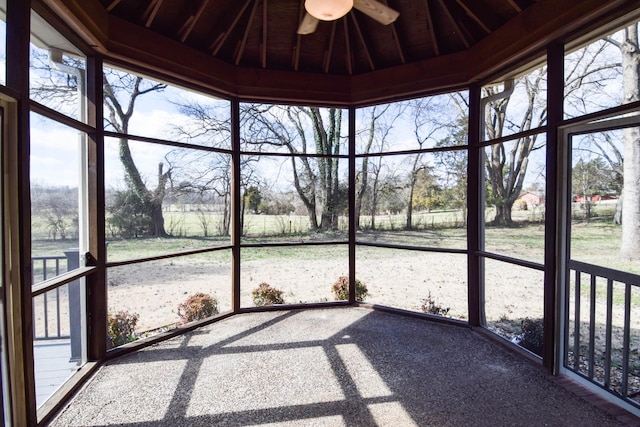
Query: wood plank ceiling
{"type": "Point", "coordinates": [262, 34]}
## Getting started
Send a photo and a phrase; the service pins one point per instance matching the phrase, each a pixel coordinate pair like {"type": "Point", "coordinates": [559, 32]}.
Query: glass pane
{"type": "Point", "coordinates": [55, 185]}
{"type": "Point", "coordinates": [515, 198]}
{"type": "Point", "coordinates": [57, 71]}
{"type": "Point", "coordinates": [604, 199]}
{"type": "Point", "coordinates": [163, 111]}
{"type": "Point", "coordinates": [524, 108]}
{"type": "Point", "coordinates": [415, 200]}
{"type": "Point", "coordinates": [595, 75]}
{"type": "Point", "coordinates": [151, 297]}
{"type": "Point", "coordinates": [422, 123]}
{"type": "Point", "coordinates": [58, 337]}
{"type": "Point", "coordinates": [428, 282]}
{"type": "Point", "coordinates": [293, 129]}
{"type": "Point", "coordinates": [166, 200]}
{"type": "Point", "coordinates": [294, 198]}
{"type": "Point", "coordinates": [514, 301]}
{"type": "Point", "coordinates": [303, 274]}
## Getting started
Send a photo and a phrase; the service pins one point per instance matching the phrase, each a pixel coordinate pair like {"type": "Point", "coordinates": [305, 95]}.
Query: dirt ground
{"type": "Point", "coordinates": [394, 278]}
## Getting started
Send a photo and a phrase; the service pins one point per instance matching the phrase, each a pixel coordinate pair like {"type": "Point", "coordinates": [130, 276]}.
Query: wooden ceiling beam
{"type": "Point", "coordinates": [473, 16]}
{"type": "Point", "coordinates": [348, 59]}
{"type": "Point", "coordinates": [263, 51]}
{"type": "Point", "coordinates": [222, 38]}
{"type": "Point", "coordinates": [113, 4]}
{"type": "Point", "coordinates": [514, 5]}
{"type": "Point", "coordinates": [151, 12]}
{"type": "Point", "coordinates": [363, 41]}
{"type": "Point", "coordinates": [455, 24]}
{"type": "Point", "coordinates": [396, 40]}
{"type": "Point", "coordinates": [295, 61]}
{"type": "Point", "coordinates": [245, 36]}
{"type": "Point", "coordinates": [187, 27]}
{"type": "Point", "coordinates": [329, 51]}
{"type": "Point", "coordinates": [432, 31]}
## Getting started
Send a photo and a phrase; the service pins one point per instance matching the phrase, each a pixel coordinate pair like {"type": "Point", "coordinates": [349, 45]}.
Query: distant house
{"type": "Point", "coordinates": [595, 198]}
{"type": "Point", "coordinates": [530, 200]}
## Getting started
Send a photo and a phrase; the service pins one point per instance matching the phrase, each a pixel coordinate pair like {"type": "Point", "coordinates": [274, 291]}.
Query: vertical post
{"type": "Point", "coordinates": [352, 205]}
{"type": "Point", "coordinates": [555, 100]}
{"type": "Point", "coordinates": [236, 231]}
{"type": "Point", "coordinates": [475, 212]}
{"type": "Point", "coordinates": [16, 164]}
{"type": "Point", "coordinates": [75, 306]}
{"type": "Point", "coordinates": [96, 284]}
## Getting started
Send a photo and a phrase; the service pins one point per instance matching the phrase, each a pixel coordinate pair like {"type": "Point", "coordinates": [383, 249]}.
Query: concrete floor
{"type": "Point", "coordinates": [327, 367]}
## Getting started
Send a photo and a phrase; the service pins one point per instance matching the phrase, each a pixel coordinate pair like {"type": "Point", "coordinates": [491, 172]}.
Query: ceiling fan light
{"type": "Point", "coordinates": [328, 10]}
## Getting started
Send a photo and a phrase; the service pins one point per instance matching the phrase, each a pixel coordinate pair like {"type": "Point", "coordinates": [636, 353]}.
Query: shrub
{"type": "Point", "coordinates": [266, 294]}
{"type": "Point", "coordinates": [121, 328]}
{"type": "Point", "coordinates": [532, 335]}
{"type": "Point", "coordinates": [198, 306]}
{"type": "Point", "coordinates": [341, 289]}
{"type": "Point", "coordinates": [430, 306]}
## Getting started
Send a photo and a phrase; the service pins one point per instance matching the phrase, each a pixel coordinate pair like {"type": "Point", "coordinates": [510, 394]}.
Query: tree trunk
{"type": "Point", "coordinates": [374, 208]}
{"type": "Point", "coordinates": [412, 184]}
{"type": "Point", "coordinates": [503, 214]}
{"type": "Point", "coordinates": [617, 217]}
{"type": "Point", "coordinates": [151, 201]}
{"type": "Point", "coordinates": [413, 177]}
{"type": "Point", "coordinates": [310, 200]}
{"type": "Point", "coordinates": [630, 244]}
{"type": "Point", "coordinates": [157, 219]}
{"type": "Point", "coordinates": [374, 192]}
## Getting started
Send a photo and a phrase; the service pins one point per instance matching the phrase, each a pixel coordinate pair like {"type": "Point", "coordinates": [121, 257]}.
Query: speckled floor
{"type": "Point", "coordinates": [326, 367]}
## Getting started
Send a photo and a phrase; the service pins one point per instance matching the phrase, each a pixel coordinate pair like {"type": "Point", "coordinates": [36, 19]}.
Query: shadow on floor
{"type": "Point", "coordinates": [326, 367]}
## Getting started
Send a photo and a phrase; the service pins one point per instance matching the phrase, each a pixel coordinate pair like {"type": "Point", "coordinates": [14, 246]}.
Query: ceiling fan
{"type": "Point", "coordinates": [325, 10]}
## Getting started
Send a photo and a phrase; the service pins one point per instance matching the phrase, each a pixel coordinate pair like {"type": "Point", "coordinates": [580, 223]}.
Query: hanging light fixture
{"type": "Point", "coordinates": [328, 10]}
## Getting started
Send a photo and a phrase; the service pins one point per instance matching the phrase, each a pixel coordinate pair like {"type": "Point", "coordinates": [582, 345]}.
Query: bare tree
{"type": "Point", "coordinates": [57, 207]}
{"type": "Point", "coordinates": [506, 163]}
{"type": "Point", "coordinates": [204, 171]}
{"type": "Point", "coordinates": [59, 89]}
{"type": "Point", "coordinates": [425, 128]}
{"type": "Point", "coordinates": [378, 124]}
{"type": "Point", "coordinates": [302, 131]}
{"type": "Point", "coordinates": [589, 178]}
{"type": "Point", "coordinates": [121, 91]}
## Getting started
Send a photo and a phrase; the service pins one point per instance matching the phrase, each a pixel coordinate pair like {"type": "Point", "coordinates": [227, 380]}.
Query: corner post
{"type": "Point", "coordinates": [236, 223]}
{"type": "Point", "coordinates": [555, 100]}
{"type": "Point", "coordinates": [475, 212]}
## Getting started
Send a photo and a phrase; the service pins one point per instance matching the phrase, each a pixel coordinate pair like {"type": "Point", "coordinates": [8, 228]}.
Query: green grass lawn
{"type": "Point", "coordinates": [594, 242]}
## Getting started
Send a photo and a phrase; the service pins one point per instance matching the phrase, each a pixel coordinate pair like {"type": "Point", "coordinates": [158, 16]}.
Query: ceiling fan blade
{"type": "Point", "coordinates": [308, 24]}
{"type": "Point", "coordinates": [376, 10]}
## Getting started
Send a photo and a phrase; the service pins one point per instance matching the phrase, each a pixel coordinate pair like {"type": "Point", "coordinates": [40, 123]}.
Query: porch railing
{"type": "Point", "coordinates": [43, 268]}
{"type": "Point", "coordinates": [602, 328]}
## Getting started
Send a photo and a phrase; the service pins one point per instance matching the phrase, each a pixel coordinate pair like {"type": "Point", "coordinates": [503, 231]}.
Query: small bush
{"type": "Point", "coordinates": [198, 306]}
{"type": "Point", "coordinates": [121, 328]}
{"type": "Point", "coordinates": [532, 335]}
{"type": "Point", "coordinates": [266, 294]}
{"type": "Point", "coordinates": [430, 306]}
{"type": "Point", "coordinates": [341, 289]}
